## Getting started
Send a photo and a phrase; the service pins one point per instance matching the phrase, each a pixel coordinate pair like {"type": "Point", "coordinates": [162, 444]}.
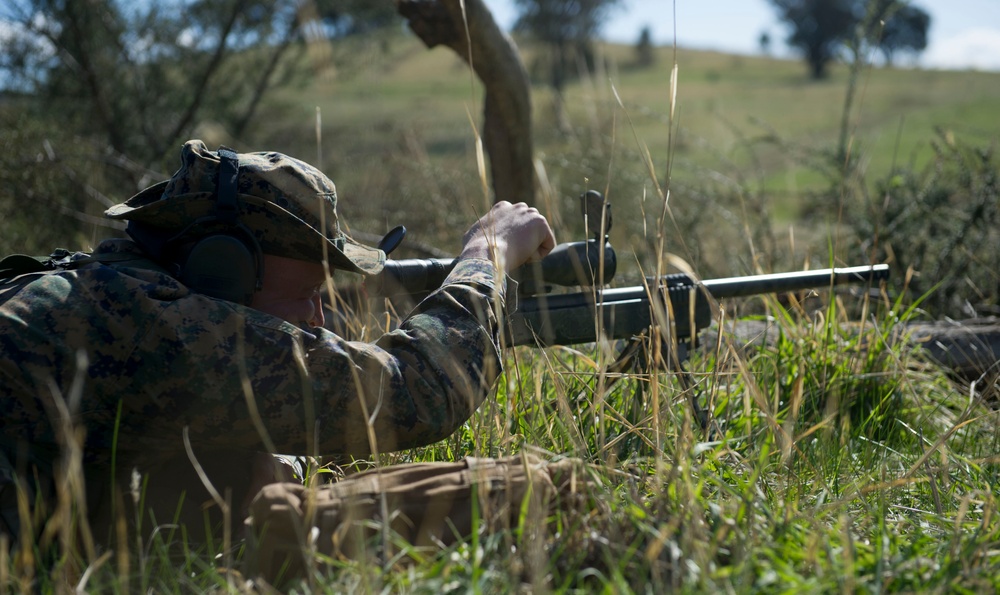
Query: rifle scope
{"type": "Point", "coordinates": [570, 264]}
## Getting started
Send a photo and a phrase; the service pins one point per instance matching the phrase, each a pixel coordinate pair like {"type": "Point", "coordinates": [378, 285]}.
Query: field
{"type": "Point", "coordinates": [751, 135]}
{"type": "Point", "coordinates": [834, 459]}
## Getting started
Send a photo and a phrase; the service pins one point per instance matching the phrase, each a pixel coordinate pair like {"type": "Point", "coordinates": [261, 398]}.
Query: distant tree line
{"type": "Point", "coordinates": [568, 28]}
{"type": "Point", "coordinates": [96, 95]}
{"type": "Point", "coordinates": [822, 30]}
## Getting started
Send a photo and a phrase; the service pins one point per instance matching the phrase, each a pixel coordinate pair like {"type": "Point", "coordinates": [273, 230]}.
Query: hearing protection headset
{"type": "Point", "coordinates": [226, 261]}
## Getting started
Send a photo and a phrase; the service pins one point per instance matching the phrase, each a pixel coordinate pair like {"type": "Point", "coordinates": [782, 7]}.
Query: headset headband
{"type": "Point", "coordinates": [227, 206]}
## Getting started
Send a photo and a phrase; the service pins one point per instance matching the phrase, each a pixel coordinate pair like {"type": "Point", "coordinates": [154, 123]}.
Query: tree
{"type": "Point", "coordinates": [468, 28]}
{"type": "Point", "coordinates": [905, 30]}
{"type": "Point", "coordinates": [355, 17]}
{"type": "Point", "coordinates": [822, 29]}
{"type": "Point", "coordinates": [644, 51]}
{"type": "Point", "coordinates": [568, 27]}
{"type": "Point", "coordinates": [764, 41]}
{"type": "Point", "coordinates": [819, 28]}
{"type": "Point", "coordinates": [138, 77]}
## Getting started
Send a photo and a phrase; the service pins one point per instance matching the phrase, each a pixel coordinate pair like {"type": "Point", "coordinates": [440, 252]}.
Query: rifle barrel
{"type": "Point", "coordinates": [567, 319]}
{"type": "Point", "coordinates": [795, 281]}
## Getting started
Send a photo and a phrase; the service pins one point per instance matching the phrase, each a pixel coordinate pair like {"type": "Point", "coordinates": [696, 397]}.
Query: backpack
{"type": "Point", "coordinates": [15, 265]}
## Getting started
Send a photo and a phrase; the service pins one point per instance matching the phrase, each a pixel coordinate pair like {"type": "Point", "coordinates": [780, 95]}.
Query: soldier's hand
{"type": "Point", "coordinates": [511, 234]}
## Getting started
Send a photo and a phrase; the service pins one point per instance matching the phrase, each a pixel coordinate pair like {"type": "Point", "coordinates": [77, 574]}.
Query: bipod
{"type": "Point", "coordinates": [635, 357]}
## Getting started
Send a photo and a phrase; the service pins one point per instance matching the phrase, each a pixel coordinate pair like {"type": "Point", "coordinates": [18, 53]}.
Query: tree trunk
{"type": "Point", "coordinates": [495, 60]}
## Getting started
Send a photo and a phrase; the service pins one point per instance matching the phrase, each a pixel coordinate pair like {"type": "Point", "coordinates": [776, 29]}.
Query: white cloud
{"type": "Point", "coordinates": [977, 48]}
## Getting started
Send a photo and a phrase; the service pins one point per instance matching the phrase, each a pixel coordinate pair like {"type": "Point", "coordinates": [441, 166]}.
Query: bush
{"type": "Point", "coordinates": [941, 225]}
{"type": "Point", "coordinates": [53, 188]}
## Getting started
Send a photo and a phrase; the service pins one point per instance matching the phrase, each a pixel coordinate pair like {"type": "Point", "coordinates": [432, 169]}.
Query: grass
{"type": "Point", "coordinates": [830, 460]}
{"type": "Point", "coordinates": [828, 467]}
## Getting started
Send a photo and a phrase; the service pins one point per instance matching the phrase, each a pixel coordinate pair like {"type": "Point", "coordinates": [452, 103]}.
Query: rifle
{"type": "Point", "coordinates": [543, 317]}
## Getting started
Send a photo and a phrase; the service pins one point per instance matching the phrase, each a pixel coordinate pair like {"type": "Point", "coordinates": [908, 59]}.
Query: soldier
{"type": "Point", "coordinates": [201, 338]}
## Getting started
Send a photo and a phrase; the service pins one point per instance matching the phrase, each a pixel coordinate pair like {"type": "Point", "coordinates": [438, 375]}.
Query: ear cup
{"type": "Point", "coordinates": [222, 266]}
{"type": "Point", "coordinates": [226, 261]}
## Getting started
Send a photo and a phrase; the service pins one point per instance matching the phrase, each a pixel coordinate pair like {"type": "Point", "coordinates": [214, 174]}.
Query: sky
{"type": "Point", "coordinates": [963, 33]}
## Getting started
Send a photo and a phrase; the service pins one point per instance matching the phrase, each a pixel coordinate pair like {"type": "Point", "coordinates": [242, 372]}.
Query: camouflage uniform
{"type": "Point", "coordinates": [158, 358]}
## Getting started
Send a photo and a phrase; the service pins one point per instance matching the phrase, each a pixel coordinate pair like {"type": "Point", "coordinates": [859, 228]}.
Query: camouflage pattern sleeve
{"type": "Point", "coordinates": [313, 392]}
{"type": "Point", "coordinates": [159, 359]}
{"type": "Point", "coordinates": [419, 383]}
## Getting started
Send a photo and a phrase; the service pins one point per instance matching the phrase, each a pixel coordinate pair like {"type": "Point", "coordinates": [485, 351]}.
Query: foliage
{"type": "Point", "coordinates": [821, 29]}
{"type": "Point", "coordinates": [818, 28]}
{"type": "Point", "coordinates": [52, 186]}
{"type": "Point", "coordinates": [802, 476]}
{"type": "Point", "coordinates": [644, 54]}
{"type": "Point", "coordinates": [831, 460]}
{"type": "Point", "coordinates": [97, 96]}
{"type": "Point", "coordinates": [905, 30]}
{"type": "Point", "coordinates": [563, 21]}
{"type": "Point", "coordinates": [936, 223]}
{"type": "Point", "coordinates": [141, 77]}
{"type": "Point", "coordinates": [568, 28]}
{"type": "Point", "coordinates": [764, 42]}
{"type": "Point", "coordinates": [356, 17]}
{"type": "Point", "coordinates": [941, 224]}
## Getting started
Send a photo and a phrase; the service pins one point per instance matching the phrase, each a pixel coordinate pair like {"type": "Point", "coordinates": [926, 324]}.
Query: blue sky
{"type": "Point", "coordinates": [963, 34]}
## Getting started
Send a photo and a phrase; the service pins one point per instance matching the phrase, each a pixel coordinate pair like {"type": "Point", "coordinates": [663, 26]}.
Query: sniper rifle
{"type": "Point", "coordinates": [543, 317]}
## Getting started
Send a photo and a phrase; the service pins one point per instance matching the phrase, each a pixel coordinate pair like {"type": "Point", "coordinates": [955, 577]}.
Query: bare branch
{"type": "Point", "coordinates": [495, 60]}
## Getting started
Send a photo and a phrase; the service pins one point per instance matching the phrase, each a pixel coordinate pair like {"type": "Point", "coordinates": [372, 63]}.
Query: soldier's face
{"type": "Point", "coordinates": [291, 290]}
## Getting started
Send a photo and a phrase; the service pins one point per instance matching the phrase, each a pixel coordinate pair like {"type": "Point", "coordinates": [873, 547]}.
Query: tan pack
{"type": "Point", "coordinates": [426, 505]}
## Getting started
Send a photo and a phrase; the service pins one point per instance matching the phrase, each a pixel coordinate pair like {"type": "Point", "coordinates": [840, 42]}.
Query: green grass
{"type": "Point", "coordinates": [833, 460]}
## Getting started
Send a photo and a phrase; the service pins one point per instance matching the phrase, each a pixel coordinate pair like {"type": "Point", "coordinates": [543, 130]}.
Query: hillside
{"type": "Point", "coordinates": [398, 138]}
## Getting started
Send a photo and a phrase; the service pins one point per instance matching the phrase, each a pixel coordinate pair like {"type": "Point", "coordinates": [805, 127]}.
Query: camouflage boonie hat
{"type": "Point", "coordinates": [282, 201]}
